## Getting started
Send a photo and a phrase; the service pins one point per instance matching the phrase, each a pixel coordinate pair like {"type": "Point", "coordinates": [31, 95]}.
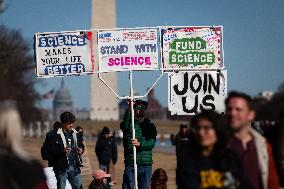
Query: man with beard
{"type": "Point", "coordinates": [145, 138]}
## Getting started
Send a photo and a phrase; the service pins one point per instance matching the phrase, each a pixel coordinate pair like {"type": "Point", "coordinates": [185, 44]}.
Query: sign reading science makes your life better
{"type": "Point", "coordinates": [128, 49]}
{"type": "Point", "coordinates": [192, 48]}
{"type": "Point", "coordinates": [63, 53]}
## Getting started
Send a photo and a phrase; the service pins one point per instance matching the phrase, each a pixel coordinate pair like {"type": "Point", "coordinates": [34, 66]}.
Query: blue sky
{"type": "Point", "coordinates": [253, 37]}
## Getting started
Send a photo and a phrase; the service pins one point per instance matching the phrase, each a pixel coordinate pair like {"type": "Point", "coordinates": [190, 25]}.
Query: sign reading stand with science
{"type": "Point", "coordinates": [192, 48]}
{"type": "Point", "coordinates": [128, 49]}
{"type": "Point", "coordinates": [61, 54]}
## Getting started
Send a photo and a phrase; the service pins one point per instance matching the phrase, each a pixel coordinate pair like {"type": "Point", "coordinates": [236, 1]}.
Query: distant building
{"type": "Point", "coordinates": [266, 95]}
{"type": "Point", "coordinates": [47, 114]}
{"type": "Point", "coordinates": [82, 114]}
{"type": "Point", "coordinates": [123, 106]}
{"type": "Point", "coordinates": [155, 110]}
{"type": "Point", "coordinates": [62, 101]}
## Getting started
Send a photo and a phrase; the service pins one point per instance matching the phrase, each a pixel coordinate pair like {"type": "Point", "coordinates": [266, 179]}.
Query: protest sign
{"type": "Point", "coordinates": [51, 179]}
{"type": "Point", "coordinates": [192, 48]}
{"type": "Point", "coordinates": [86, 169]}
{"type": "Point", "coordinates": [61, 54]}
{"type": "Point", "coordinates": [192, 92]}
{"type": "Point", "coordinates": [128, 49]}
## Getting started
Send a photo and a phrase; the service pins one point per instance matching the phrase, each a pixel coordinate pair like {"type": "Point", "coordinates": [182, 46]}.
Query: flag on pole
{"type": "Point", "coordinates": [48, 95]}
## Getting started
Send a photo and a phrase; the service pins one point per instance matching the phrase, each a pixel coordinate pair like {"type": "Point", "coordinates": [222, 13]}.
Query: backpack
{"type": "Point", "coordinates": [44, 152]}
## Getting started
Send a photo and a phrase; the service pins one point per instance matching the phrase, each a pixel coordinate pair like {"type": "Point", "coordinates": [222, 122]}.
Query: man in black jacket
{"type": "Point", "coordinates": [66, 153]}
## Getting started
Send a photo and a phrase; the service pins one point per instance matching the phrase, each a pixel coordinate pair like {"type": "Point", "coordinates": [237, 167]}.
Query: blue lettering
{"type": "Point", "coordinates": [64, 69]}
{"type": "Point", "coordinates": [118, 49]}
{"type": "Point", "coordinates": [103, 35]}
{"type": "Point", "coordinates": [62, 40]}
{"type": "Point", "coordinates": [142, 48]}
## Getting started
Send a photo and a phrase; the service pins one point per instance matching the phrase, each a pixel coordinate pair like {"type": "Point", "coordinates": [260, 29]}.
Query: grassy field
{"type": "Point", "coordinates": [161, 160]}
{"type": "Point", "coordinates": [95, 126]}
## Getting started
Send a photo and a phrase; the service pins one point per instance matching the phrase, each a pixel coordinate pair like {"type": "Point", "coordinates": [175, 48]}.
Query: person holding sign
{"type": "Point", "coordinates": [145, 138]}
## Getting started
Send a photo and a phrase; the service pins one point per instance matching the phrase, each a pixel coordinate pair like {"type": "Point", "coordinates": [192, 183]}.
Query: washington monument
{"type": "Point", "coordinates": [104, 104]}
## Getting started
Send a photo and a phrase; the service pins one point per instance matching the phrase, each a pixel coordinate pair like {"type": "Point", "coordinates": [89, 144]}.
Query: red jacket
{"type": "Point", "coordinates": [269, 175]}
{"type": "Point", "coordinates": [273, 180]}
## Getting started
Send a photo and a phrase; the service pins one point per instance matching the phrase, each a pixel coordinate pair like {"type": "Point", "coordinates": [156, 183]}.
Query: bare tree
{"type": "Point", "coordinates": [281, 88]}
{"type": "Point", "coordinates": [2, 7]}
{"type": "Point", "coordinates": [17, 79]}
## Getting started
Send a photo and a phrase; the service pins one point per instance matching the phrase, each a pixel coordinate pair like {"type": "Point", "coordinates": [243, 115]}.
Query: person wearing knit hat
{"type": "Point", "coordinates": [145, 138]}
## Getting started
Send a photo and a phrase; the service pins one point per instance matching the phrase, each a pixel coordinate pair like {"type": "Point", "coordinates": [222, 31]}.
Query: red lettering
{"type": "Point", "coordinates": [127, 60]}
{"type": "Point", "coordinates": [147, 60]}
{"type": "Point", "coordinates": [140, 60]}
{"type": "Point", "coordinates": [110, 62]}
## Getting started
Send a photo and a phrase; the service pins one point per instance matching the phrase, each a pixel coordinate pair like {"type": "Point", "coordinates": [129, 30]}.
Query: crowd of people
{"type": "Point", "coordinates": [224, 151]}
{"type": "Point", "coordinates": [213, 151]}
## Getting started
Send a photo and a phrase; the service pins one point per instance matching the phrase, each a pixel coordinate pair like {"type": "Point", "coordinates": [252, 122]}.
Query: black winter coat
{"type": "Point", "coordinates": [59, 158]}
{"type": "Point", "coordinates": [223, 172]}
{"type": "Point", "coordinates": [106, 150]}
{"type": "Point", "coordinates": [16, 172]}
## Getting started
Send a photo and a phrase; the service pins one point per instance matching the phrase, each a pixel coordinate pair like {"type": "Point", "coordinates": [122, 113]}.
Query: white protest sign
{"type": "Point", "coordinates": [51, 179]}
{"type": "Point", "coordinates": [86, 169]}
{"type": "Point", "coordinates": [191, 92]}
{"type": "Point", "coordinates": [128, 49]}
{"type": "Point", "coordinates": [192, 48]}
{"type": "Point", "coordinates": [61, 54]}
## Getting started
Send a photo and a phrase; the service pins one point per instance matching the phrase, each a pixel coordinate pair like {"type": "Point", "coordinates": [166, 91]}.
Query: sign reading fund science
{"type": "Point", "coordinates": [128, 49]}
{"type": "Point", "coordinates": [192, 48]}
{"type": "Point", "coordinates": [61, 54]}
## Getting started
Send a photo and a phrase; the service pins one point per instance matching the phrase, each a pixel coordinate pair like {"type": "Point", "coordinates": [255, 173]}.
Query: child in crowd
{"type": "Point", "coordinates": [159, 179]}
{"type": "Point", "coordinates": [100, 180]}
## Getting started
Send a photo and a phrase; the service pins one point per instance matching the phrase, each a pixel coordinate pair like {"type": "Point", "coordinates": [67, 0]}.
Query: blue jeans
{"type": "Point", "coordinates": [103, 167]}
{"type": "Point", "coordinates": [72, 175]}
{"type": "Point", "coordinates": [144, 174]}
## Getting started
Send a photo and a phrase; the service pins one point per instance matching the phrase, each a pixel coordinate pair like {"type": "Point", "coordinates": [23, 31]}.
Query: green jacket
{"type": "Point", "coordinates": [145, 133]}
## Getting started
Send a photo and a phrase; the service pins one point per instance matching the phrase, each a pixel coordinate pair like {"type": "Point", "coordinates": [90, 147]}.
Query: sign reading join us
{"type": "Point", "coordinates": [63, 53]}
{"type": "Point", "coordinates": [195, 91]}
{"type": "Point", "coordinates": [192, 48]}
{"type": "Point", "coordinates": [128, 49]}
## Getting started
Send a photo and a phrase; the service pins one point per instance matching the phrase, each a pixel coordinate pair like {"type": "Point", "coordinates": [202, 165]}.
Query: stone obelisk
{"type": "Point", "coordinates": [104, 104]}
